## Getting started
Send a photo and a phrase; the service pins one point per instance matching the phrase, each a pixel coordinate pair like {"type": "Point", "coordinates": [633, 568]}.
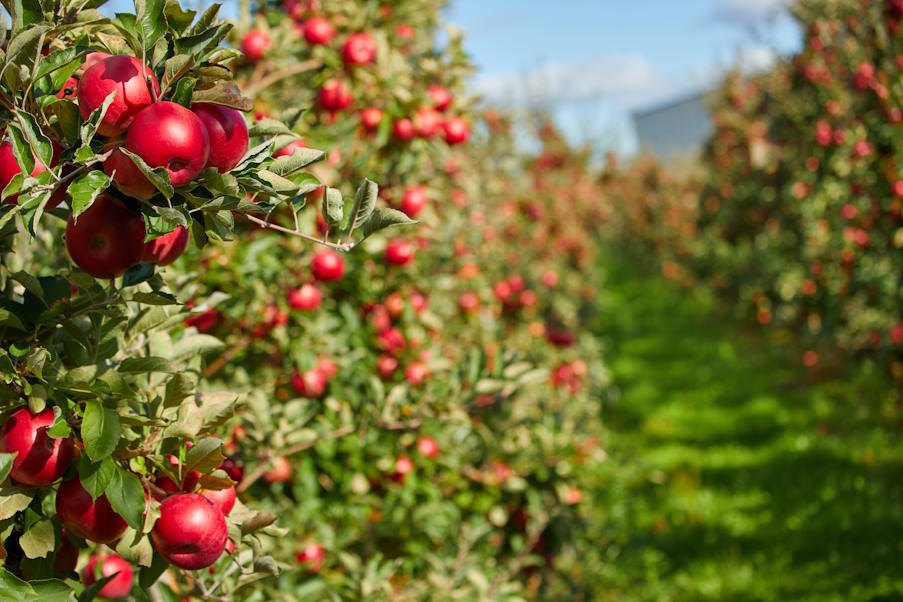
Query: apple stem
{"type": "Point", "coordinates": [346, 246]}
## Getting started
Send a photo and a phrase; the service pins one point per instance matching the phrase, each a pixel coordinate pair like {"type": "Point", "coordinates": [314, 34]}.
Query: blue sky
{"type": "Point", "coordinates": [593, 61]}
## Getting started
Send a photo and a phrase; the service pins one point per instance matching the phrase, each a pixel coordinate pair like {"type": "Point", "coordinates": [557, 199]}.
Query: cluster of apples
{"type": "Point", "coordinates": [359, 49]}
{"type": "Point", "coordinates": [108, 237]}
{"type": "Point", "coordinates": [190, 532]}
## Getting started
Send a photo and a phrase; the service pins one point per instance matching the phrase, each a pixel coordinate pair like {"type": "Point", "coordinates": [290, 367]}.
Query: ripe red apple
{"type": "Point", "coordinates": [227, 134]}
{"type": "Point", "coordinates": [127, 178]}
{"type": "Point", "coordinates": [442, 98]}
{"type": "Point", "coordinates": [456, 130]}
{"type": "Point", "coordinates": [280, 472]}
{"type": "Point", "coordinates": [168, 135]}
{"type": "Point", "coordinates": [310, 384]}
{"type": "Point", "coordinates": [327, 367]}
{"type": "Point", "coordinates": [403, 129]}
{"type": "Point", "coordinates": [404, 31]}
{"type": "Point", "coordinates": [392, 340]}
{"type": "Point", "coordinates": [117, 587]}
{"type": "Point", "coordinates": [223, 499]}
{"type": "Point", "coordinates": [41, 460]}
{"type": "Point", "coordinates": [428, 447]}
{"type": "Point", "coordinates": [403, 467]}
{"type": "Point", "coordinates": [69, 89]}
{"type": "Point", "coordinates": [426, 122]}
{"type": "Point", "coordinates": [66, 558]}
{"type": "Point", "coordinates": [306, 298]}
{"type": "Point", "coordinates": [371, 118]}
{"type": "Point", "coordinates": [399, 252]}
{"type": "Point", "coordinates": [83, 517]}
{"type": "Point", "coordinates": [9, 168]}
{"type": "Point", "coordinates": [165, 249]}
{"type": "Point", "coordinates": [126, 76]}
{"type": "Point", "coordinates": [107, 239]}
{"type": "Point", "coordinates": [313, 556]}
{"type": "Point", "coordinates": [573, 496]}
{"type": "Point", "coordinates": [469, 302]}
{"type": "Point", "coordinates": [328, 265]}
{"type": "Point", "coordinates": [386, 365]}
{"type": "Point", "coordinates": [413, 201]}
{"type": "Point", "coordinates": [318, 30]}
{"type": "Point", "coordinates": [91, 59]}
{"type": "Point", "coordinates": [359, 49]}
{"type": "Point", "coordinates": [255, 44]}
{"type": "Point", "coordinates": [289, 149]}
{"type": "Point", "coordinates": [335, 95]}
{"type": "Point", "coordinates": [191, 531]}
{"type": "Point", "coordinates": [416, 373]}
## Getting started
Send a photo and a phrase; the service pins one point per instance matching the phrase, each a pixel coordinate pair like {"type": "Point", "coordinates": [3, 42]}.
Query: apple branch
{"type": "Point", "coordinates": [346, 246]}
{"type": "Point", "coordinates": [256, 87]}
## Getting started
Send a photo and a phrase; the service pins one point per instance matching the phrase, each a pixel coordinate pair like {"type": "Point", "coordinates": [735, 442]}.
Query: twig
{"type": "Point", "coordinates": [263, 83]}
{"type": "Point", "coordinates": [265, 224]}
{"type": "Point", "coordinates": [217, 365]}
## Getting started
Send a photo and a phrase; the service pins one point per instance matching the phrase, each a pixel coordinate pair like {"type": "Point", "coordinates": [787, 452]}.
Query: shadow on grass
{"type": "Point", "coordinates": [730, 478]}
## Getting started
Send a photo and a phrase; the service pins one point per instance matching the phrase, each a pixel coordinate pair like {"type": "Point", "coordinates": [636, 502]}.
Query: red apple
{"type": "Point", "coordinates": [310, 384]}
{"type": "Point", "coordinates": [469, 302]}
{"type": "Point", "coordinates": [224, 499]}
{"type": "Point", "coordinates": [227, 134]}
{"type": "Point", "coordinates": [335, 95]}
{"type": "Point", "coordinates": [255, 44]}
{"type": "Point", "coordinates": [318, 30]}
{"type": "Point", "coordinates": [371, 118]}
{"type": "Point", "coordinates": [386, 365]}
{"type": "Point", "coordinates": [442, 98]}
{"type": "Point", "coordinates": [83, 517]}
{"type": "Point", "coordinates": [327, 367]}
{"type": "Point", "coordinates": [313, 556]}
{"type": "Point", "coordinates": [117, 587]}
{"type": "Point", "coordinates": [392, 340]}
{"type": "Point", "coordinates": [126, 76]}
{"type": "Point", "coordinates": [280, 472]}
{"type": "Point", "coordinates": [289, 149]}
{"type": "Point", "coordinates": [41, 460]}
{"type": "Point", "coordinates": [168, 135]}
{"type": "Point", "coordinates": [127, 178]}
{"type": "Point", "coordinates": [416, 373]}
{"type": "Point", "coordinates": [69, 89]}
{"type": "Point", "coordinates": [404, 31]}
{"type": "Point", "coordinates": [191, 531]}
{"type": "Point", "coordinates": [9, 168]}
{"type": "Point", "coordinates": [328, 265]}
{"type": "Point", "coordinates": [413, 201]}
{"type": "Point", "coordinates": [91, 59]}
{"type": "Point", "coordinates": [456, 130]}
{"type": "Point", "coordinates": [107, 239]}
{"type": "Point", "coordinates": [403, 467]}
{"type": "Point", "coordinates": [399, 252]}
{"type": "Point", "coordinates": [306, 298]}
{"type": "Point", "coordinates": [165, 249]}
{"type": "Point", "coordinates": [66, 558]}
{"type": "Point", "coordinates": [359, 49]}
{"type": "Point", "coordinates": [428, 447]}
{"type": "Point", "coordinates": [403, 129]}
{"type": "Point", "coordinates": [426, 122]}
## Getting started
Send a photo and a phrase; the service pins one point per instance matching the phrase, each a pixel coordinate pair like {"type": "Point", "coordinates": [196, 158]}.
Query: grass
{"type": "Point", "coordinates": [731, 476]}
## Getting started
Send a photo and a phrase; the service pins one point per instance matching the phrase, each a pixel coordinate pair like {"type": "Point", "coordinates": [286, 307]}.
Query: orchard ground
{"type": "Point", "coordinates": [733, 476]}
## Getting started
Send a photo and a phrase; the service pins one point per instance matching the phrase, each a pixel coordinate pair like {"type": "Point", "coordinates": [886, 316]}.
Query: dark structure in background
{"type": "Point", "coordinates": [675, 131]}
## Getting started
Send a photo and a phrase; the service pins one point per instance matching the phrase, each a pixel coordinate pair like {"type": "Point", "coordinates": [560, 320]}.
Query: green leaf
{"type": "Point", "coordinates": [277, 183]}
{"type": "Point", "coordinates": [180, 386]}
{"type": "Point", "coordinates": [13, 589]}
{"type": "Point", "coordinates": [206, 19]}
{"type": "Point", "coordinates": [158, 176]}
{"type": "Point", "coordinates": [224, 93]}
{"type": "Point", "coordinates": [149, 575]}
{"type": "Point", "coordinates": [135, 548]}
{"type": "Point", "coordinates": [149, 17]}
{"type": "Point", "coordinates": [300, 157]}
{"type": "Point", "coordinates": [138, 274]}
{"type": "Point", "coordinates": [100, 430]}
{"type": "Point", "coordinates": [23, 47]}
{"type": "Point", "coordinates": [13, 500]}
{"type": "Point", "coordinates": [21, 149]}
{"type": "Point", "coordinates": [95, 477]}
{"type": "Point", "coordinates": [364, 204]}
{"type": "Point", "coordinates": [205, 455]}
{"type": "Point", "coordinates": [174, 68]}
{"type": "Point", "coordinates": [176, 17]}
{"type": "Point", "coordinates": [184, 91]}
{"type": "Point", "coordinates": [85, 190]}
{"type": "Point", "coordinates": [89, 128]}
{"type": "Point", "coordinates": [40, 144]}
{"type": "Point", "coordinates": [6, 464]}
{"type": "Point", "coordinates": [30, 282]}
{"type": "Point", "coordinates": [38, 540]}
{"type": "Point", "coordinates": [333, 207]}
{"type": "Point", "coordinates": [269, 127]}
{"type": "Point", "coordinates": [199, 44]}
{"type": "Point", "coordinates": [126, 496]}
{"type": "Point", "coordinates": [141, 365]}
{"type": "Point", "coordinates": [383, 218]}
{"type": "Point", "coordinates": [191, 345]}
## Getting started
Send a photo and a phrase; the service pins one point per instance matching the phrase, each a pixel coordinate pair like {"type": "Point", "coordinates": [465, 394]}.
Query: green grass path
{"type": "Point", "coordinates": [730, 477]}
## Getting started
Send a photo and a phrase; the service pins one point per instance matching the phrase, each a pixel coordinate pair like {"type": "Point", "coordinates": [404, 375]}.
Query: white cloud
{"type": "Point", "coordinates": [625, 79]}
